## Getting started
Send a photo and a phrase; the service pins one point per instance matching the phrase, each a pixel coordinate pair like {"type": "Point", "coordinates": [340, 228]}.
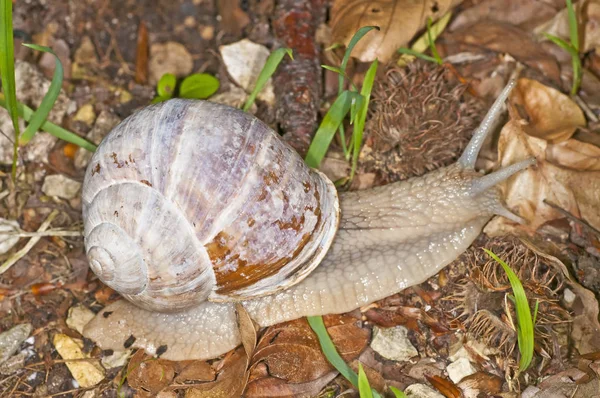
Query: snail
{"type": "Point", "coordinates": [190, 207]}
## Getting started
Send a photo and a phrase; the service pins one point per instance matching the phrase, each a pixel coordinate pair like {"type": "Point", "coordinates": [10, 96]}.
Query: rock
{"type": "Point", "coordinates": [105, 122]}
{"type": "Point", "coordinates": [169, 57]}
{"type": "Point", "coordinates": [7, 241]}
{"type": "Point", "coordinates": [47, 61]}
{"type": "Point", "coordinates": [235, 97]}
{"type": "Point", "coordinates": [569, 297]}
{"type": "Point", "coordinates": [116, 359]}
{"type": "Point", "coordinates": [12, 364]}
{"type": "Point", "coordinates": [244, 61]}
{"type": "Point", "coordinates": [86, 53]}
{"type": "Point", "coordinates": [459, 369]}
{"type": "Point", "coordinates": [79, 315]}
{"type": "Point", "coordinates": [393, 343]}
{"type": "Point", "coordinates": [11, 340]}
{"type": "Point", "coordinates": [85, 114]}
{"type": "Point", "coordinates": [60, 186]}
{"type": "Point", "coordinates": [530, 392]}
{"type": "Point", "coordinates": [421, 391]}
{"type": "Point", "coordinates": [31, 87]}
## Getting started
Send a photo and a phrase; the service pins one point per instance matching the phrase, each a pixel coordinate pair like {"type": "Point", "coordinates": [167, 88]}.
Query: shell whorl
{"type": "Point", "coordinates": [186, 201]}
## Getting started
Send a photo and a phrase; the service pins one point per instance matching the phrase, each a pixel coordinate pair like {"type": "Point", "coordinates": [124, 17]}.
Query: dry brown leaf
{"type": "Point", "coordinates": [87, 373]}
{"type": "Point", "coordinates": [398, 20]}
{"type": "Point", "coordinates": [481, 383]}
{"type": "Point", "coordinates": [590, 15]}
{"type": "Point", "coordinates": [545, 112]}
{"type": "Point", "coordinates": [230, 382]}
{"type": "Point", "coordinates": [194, 371]}
{"type": "Point", "coordinates": [567, 174]}
{"type": "Point", "coordinates": [503, 38]}
{"type": "Point", "coordinates": [292, 352]}
{"type": "Point", "coordinates": [445, 386]}
{"type": "Point", "coordinates": [247, 329]}
{"type": "Point", "coordinates": [273, 387]}
{"type": "Point", "coordinates": [148, 373]}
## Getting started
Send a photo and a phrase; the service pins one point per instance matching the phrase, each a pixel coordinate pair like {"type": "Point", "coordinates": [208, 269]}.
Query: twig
{"type": "Point", "coordinates": [18, 255]}
{"type": "Point", "coordinates": [50, 232]}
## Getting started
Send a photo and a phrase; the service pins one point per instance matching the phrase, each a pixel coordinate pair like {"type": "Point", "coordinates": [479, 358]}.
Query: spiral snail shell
{"type": "Point", "coordinates": [187, 201]}
{"type": "Point", "coordinates": [190, 205]}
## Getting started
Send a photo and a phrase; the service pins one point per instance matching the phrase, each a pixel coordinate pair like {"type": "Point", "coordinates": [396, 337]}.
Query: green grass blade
{"type": "Point", "coordinates": [317, 325]}
{"type": "Point", "coordinates": [560, 42]}
{"type": "Point", "coordinates": [397, 393]}
{"type": "Point", "coordinates": [7, 72]}
{"type": "Point", "coordinates": [267, 71]}
{"type": "Point", "coordinates": [417, 54]}
{"type": "Point", "coordinates": [573, 28]}
{"type": "Point", "coordinates": [525, 336]}
{"type": "Point", "coordinates": [40, 115]}
{"type": "Point", "coordinates": [433, 32]}
{"type": "Point", "coordinates": [359, 126]}
{"type": "Point", "coordinates": [364, 389]}
{"type": "Point", "coordinates": [432, 47]}
{"type": "Point", "coordinates": [329, 125]}
{"type": "Point", "coordinates": [27, 113]}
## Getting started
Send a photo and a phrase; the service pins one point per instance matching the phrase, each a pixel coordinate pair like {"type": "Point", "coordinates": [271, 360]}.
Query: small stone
{"type": "Point", "coordinates": [11, 340]}
{"type": "Point", "coordinates": [12, 364]}
{"type": "Point", "coordinates": [85, 114]}
{"type": "Point", "coordinates": [421, 391]}
{"type": "Point", "coordinates": [8, 241]}
{"type": "Point", "coordinates": [169, 57]}
{"type": "Point", "coordinates": [60, 186]}
{"type": "Point", "coordinates": [460, 369]}
{"type": "Point", "coordinates": [207, 32]}
{"type": "Point", "coordinates": [189, 22]}
{"type": "Point", "coordinates": [86, 53]}
{"type": "Point", "coordinates": [116, 359]}
{"type": "Point", "coordinates": [234, 97]}
{"type": "Point", "coordinates": [569, 297]}
{"type": "Point", "coordinates": [79, 316]}
{"type": "Point", "coordinates": [105, 122]}
{"type": "Point", "coordinates": [393, 343]}
{"type": "Point", "coordinates": [530, 392]}
{"type": "Point", "coordinates": [244, 61]}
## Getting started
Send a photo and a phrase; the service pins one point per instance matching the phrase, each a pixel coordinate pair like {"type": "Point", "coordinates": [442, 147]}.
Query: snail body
{"type": "Point", "coordinates": [387, 238]}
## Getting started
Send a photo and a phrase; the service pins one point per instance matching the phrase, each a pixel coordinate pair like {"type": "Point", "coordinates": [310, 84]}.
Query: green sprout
{"type": "Point", "coordinates": [427, 40]}
{"type": "Point", "coordinates": [196, 86]}
{"type": "Point", "coordinates": [525, 331]}
{"type": "Point", "coordinates": [571, 47]}
{"type": "Point", "coordinates": [267, 71]}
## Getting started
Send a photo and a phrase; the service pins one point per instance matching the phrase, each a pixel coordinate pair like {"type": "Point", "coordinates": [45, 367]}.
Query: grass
{"type": "Point", "coordinates": [347, 102]}
{"type": "Point", "coordinates": [572, 47]}
{"type": "Point", "coordinates": [525, 331]}
{"type": "Point", "coordinates": [267, 71]}
{"type": "Point", "coordinates": [8, 99]}
{"type": "Point", "coordinates": [427, 41]}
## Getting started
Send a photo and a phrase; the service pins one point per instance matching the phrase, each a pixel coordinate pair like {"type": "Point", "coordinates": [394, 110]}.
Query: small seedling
{"type": "Point", "coordinates": [571, 47]}
{"type": "Point", "coordinates": [196, 86]}
{"type": "Point", "coordinates": [348, 101]}
{"type": "Point", "coordinates": [427, 40]}
{"type": "Point", "coordinates": [525, 331]}
{"type": "Point", "coordinates": [267, 71]}
{"type": "Point", "coordinates": [36, 119]}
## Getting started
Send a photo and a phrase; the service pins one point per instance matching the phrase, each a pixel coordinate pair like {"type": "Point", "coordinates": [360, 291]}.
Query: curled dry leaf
{"type": "Point", "coordinates": [292, 352]}
{"type": "Point", "coordinates": [274, 387]}
{"type": "Point", "coordinates": [567, 173]}
{"type": "Point", "coordinates": [231, 380]}
{"type": "Point", "coordinates": [398, 21]}
{"type": "Point", "coordinates": [445, 386]}
{"type": "Point", "coordinates": [148, 373]}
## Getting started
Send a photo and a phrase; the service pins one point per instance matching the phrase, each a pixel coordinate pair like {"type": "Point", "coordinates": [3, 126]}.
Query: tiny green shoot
{"type": "Point", "coordinates": [195, 86]}
{"type": "Point", "coordinates": [267, 71]}
{"type": "Point", "coordinates": [427, 41]}
{"type": "Point", "coordinates": [525, 331]}
{"type": "Point", "coordinates": [40, 115]}
{"type": "Point", "coordinates": [571, 47]}
{"type": "Point", "coordinates": [364, 388]}
{"type": "Point", "coordinates": [330, 352]}
{"type": "Point", "coordinates": [7, 70]}
{"type": "Point", "coordinates": [397, 393]}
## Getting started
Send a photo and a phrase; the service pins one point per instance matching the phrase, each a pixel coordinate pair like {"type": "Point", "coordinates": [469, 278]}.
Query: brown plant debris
{"type": "Point", "coordinates": [298, 83]}
{"type": "Point", "coordinates": [420, 119]}
{"type": "Point", "coordinates": [481, 305]}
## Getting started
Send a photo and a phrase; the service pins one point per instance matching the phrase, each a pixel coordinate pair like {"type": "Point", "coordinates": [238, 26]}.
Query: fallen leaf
{"type": "Point", "coordinates": [555, 178]}
{"type": "Point", "coordinates": [149, 373]}
{"type": "Point", "coordinates": [231, 380]}
{"type": "Point", "coordinates": [86, 373]}
{"type": "Point", "coordinates": [273, 387]}
{"type": "Point", "coordinates": [502, 38]}
{"type": "Point", "coordinates": [444, 386]}
{"type": "Point", "coordinates": [481, 383]}
{"type": "Point", "coordinates": [398, 20]}
{"type": "Point", "coordinates": [590, 32]}
{"type": "Point", "coordinates": [247, 329]}
{"type": "Point", "coordinates": [292, 352]}
{"type": "Point", "coordinates": [194, 371]}
{"type": "Point", "coordinates": [545, 112]}
{"type": "Point", "coordinates": [141, 58]}
{"type": "Point", "coordinates": [233, 18]}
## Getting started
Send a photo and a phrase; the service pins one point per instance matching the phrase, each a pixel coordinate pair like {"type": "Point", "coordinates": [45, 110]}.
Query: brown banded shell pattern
{"type": "Point", "coordinates": [186, 201]}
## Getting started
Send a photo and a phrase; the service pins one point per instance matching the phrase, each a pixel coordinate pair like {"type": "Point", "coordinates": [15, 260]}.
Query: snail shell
{"type": "Point", "coordinates": [187, 201]}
